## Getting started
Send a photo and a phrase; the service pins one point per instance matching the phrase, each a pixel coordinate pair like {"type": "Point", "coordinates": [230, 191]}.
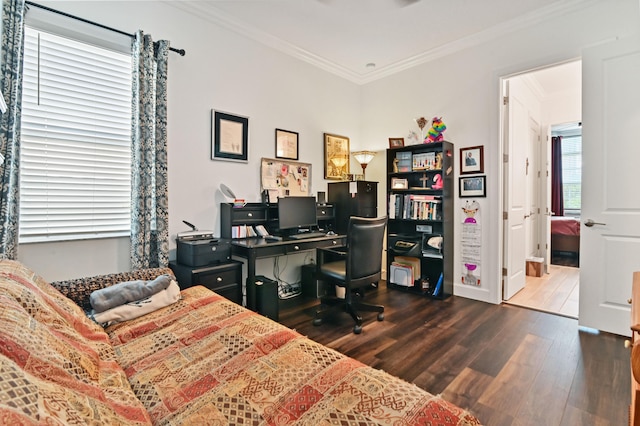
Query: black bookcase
{"type": "Point", "coordinates": [420, 227]}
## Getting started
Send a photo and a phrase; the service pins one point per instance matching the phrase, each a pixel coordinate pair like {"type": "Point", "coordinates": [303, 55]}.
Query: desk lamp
{"type": "Point", "coordinates": [364, 158]}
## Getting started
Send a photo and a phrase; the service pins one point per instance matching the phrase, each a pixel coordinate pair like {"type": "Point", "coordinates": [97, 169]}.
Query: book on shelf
{"type": "Point", "coordinates": [414, 206]}
{"type": "Point", "coordinates": [243, 231]}
{"type": "Point", "coordinates": [438, 288]}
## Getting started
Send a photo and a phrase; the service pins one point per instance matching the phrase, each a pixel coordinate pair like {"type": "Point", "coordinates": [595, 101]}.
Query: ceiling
{"type": "Point", "coordinates": [363, 40]}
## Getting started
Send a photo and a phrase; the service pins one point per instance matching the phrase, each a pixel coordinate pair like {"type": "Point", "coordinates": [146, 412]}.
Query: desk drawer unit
{"type": "Point", "coordinates": [224, 279]}
{"type": "Point", "coordinates": [325, 212]}
{"type": "Point", "coordinates": [312, 245]}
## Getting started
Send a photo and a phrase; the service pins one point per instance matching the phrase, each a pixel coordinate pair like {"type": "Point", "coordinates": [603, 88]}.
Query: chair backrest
{"type": "Point", "coordinates": [365, 237]}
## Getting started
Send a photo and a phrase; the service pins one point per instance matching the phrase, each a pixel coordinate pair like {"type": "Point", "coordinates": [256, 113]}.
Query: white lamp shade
{"type": "Point", "coordinates": [364, 157]}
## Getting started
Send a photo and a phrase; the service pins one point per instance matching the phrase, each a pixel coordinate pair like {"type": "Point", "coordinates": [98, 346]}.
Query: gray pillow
{"type": "Point", "coordinates": [125, 292]}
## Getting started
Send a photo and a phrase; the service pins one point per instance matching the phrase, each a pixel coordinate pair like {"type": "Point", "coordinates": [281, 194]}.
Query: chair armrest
{"type": "Point", "coordinates": [328, 254]}
{"type": "Point", "coordinates": [342, 251]}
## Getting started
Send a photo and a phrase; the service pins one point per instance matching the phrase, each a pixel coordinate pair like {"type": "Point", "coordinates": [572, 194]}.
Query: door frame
{"type": "Point", "coordinates": [504, 181]}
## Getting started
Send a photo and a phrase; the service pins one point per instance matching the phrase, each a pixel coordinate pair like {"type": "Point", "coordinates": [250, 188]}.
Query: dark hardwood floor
{"type": "Point", "coordinates": [507, 365]}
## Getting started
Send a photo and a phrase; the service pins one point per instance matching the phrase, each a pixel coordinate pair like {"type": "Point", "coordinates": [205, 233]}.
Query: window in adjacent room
{"type": "Point", "coordinates": [75, 165]}
{"type": "Point", "coordinates": [571, 166]}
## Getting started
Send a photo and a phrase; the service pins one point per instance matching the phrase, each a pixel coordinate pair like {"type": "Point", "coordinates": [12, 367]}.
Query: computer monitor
{"type": "Point", "coordinates": [297, 213]}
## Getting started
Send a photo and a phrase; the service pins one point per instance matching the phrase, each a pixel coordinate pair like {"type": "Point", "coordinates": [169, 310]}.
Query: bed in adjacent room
{"type": "Point", "coordinates": [565, 234]}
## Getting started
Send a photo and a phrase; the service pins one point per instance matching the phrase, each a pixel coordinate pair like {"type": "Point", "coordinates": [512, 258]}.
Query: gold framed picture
{"type": "Point", "coordinates": [336, 157]}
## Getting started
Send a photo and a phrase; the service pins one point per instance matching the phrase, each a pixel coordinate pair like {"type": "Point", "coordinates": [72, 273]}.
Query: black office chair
{"type": "Point", "coordinates": [358, 266]}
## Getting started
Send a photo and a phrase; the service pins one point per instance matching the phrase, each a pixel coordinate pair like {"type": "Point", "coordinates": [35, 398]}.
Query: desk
{"type": "Point", "coordinates": [254, 248]}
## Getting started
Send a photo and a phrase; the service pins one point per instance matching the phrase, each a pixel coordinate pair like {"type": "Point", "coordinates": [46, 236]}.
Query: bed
{"type": "Point", "coordinates": [565, 234]}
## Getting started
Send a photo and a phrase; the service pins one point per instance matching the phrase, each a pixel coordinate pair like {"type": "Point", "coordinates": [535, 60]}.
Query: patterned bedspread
{"type": "Point", "coordinates": [206, 360]}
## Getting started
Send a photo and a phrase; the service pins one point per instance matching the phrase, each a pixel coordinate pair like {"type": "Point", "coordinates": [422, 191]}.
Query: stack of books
{"type": "Point", "coordinates": [414, 206]}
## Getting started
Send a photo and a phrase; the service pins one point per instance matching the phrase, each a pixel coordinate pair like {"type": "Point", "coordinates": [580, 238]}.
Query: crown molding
{"type": "Point", "coordinates": [208, 12]}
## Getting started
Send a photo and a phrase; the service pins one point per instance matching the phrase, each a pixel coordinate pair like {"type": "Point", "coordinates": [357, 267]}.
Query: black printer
{"type": "Point", "coordinates": [201, 248]}
{"type": "Point", "coordinates": [203, 251]}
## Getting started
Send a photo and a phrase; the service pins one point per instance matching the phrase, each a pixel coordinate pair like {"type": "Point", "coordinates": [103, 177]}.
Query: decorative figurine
{"type": "Point", "coordinates": [435, 132]}
{"type": "Point", "coordinates": [437, 182]}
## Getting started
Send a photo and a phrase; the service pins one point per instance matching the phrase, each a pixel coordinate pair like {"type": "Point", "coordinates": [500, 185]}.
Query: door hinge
{"type": "Point", "coordinates": [504, 272]}
{"type": "Point", "coordinates": [505, 100]}
{"type": "Point", "coordinates": [538, 247]}
{"type": "Point", "coordinates": [505, 158]}
{"type": "Point", "coordinates": [505, 215]}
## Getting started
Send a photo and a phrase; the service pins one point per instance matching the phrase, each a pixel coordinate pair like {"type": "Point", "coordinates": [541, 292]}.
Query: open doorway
{"type": "Point", "coordinates": [541, 269]}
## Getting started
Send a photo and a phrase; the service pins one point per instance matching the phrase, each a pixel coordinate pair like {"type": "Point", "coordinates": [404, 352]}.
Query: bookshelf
{"type": "Point", "coordinates": [420, 226]}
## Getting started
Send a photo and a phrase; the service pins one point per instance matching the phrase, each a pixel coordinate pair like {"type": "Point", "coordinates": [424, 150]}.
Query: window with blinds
{"type": "Point", "coordinates": [572, 174]}
{"type": "Point", "coordinates": [75, 164]}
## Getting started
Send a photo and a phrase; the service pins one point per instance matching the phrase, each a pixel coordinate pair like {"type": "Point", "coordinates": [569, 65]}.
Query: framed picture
{"type": "Point", "coordinates": [229, 137]}
{"type": "Point", "coordinates": [397, 183]}
{"type": "Point", "coordinates": [472, 160]}
{"type": "Point", "coordinates": [472, 186]}
{"type": "Point", "coordinates": [286, 144]}
{"type": "Point", "coordinates": [336, 157]}
{"type": "Point", "coordinates": [396, 142]}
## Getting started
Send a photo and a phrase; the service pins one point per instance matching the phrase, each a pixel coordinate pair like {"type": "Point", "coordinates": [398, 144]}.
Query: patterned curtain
{"type": "Point", "coordinates": [557, 194]}
{"type": "Point", "coordinates": [11, 84]}
{"type": "Point", "coordinates": [149, 197]}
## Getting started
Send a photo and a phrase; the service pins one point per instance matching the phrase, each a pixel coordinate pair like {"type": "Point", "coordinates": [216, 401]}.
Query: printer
{"type": "Point", "coordinates": [203, 252]}
{"type": "Point", "coordinates": [201, 248]}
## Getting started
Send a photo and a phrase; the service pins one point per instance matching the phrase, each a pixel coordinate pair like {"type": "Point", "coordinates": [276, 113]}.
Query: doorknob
{"type": "Point", "coordinates": [590, 223]}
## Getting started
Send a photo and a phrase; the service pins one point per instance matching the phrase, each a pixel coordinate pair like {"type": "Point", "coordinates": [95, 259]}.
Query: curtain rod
{"type": "Point", "coordinates": [181, 52]}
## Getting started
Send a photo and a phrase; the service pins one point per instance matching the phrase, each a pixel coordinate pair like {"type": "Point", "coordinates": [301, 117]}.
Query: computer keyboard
{"type": "Point", "coordinates": [306, 235]}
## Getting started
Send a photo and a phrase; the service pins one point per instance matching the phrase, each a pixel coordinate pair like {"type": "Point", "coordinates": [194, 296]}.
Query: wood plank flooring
{"type": "Point", "coordinates": [555, 292]}
{"type": "Point", "coordinates": [508, 365]}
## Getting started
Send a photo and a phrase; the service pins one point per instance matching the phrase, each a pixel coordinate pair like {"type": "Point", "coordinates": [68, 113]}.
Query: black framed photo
{"type": "Point", "coordinates": [472, 186]}
{"type": "Point", "coordinates": [472, 160]}
{"type": "Point", "coordinates": [229, 136]}
{"type": "Point", "coordinates": [286, 144]}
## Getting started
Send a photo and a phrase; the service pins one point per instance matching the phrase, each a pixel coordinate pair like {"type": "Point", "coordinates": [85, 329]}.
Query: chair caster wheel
{"type": "Point", "coordinates": [357, 329]}
{"type": "Point", "coordinates": [380, 316]}
{"type": "Point", "coordinates": [317, 321]}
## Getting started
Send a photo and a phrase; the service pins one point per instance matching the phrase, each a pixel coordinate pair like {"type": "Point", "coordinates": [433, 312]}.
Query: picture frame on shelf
{"type": "Point", "coordinates": [472, 186]}
{"type": "Point", "coordinates": [398, 183]}
{"type": "Point", "coordinates": [229, 136]}
{"type": "Point", "coordinates": [336, 157]}
{"type": "Point", "coordinates": [472, 160]}
{"type": "Point", "coordinates": [286, 144]}
{"type": "Point", "coordinates": [396, 142]}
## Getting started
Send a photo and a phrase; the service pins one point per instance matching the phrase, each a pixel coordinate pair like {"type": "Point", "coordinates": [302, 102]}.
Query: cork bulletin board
{"type": "Point", "coordinates": [285, 178]}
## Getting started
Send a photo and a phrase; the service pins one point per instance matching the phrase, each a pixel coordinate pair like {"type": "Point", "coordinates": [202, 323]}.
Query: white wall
{"type": "Point", "coordinates": [464, 89]}
{"type": "Point", "coordinates": [226, 71]}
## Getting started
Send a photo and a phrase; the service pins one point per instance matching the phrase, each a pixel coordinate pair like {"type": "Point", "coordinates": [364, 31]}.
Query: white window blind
{"type": "Point", "coordinates": [75, 165]}
{"type": "Point", "coordinates": [572, 173]}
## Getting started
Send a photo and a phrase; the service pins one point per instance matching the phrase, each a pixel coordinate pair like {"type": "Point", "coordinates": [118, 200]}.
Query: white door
{"type": "Point", "coordinates": [532, 175]}
{"type": "Point", "coordinates": [545, 197]}
{"type": "Point", "coordinates": [610, 249]}
{"type": "Point", "coordinates": [516, 142]}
